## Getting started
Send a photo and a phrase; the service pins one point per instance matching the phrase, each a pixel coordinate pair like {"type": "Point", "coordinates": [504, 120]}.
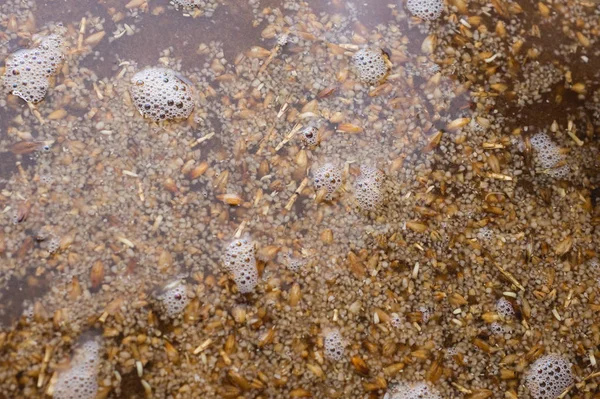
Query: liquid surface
{"type": "Point", "coordinates": [360, 203]}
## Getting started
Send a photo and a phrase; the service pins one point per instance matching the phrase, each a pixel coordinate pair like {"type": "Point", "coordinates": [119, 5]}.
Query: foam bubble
{"type": "Point", "coordinates": [293, 263]}
{"type": "Point", "coordinates": [309, 136]}
{"type": "Point", "coordinates": [396, 320]}
{"type": "Point", "coordinates": [328, 177]}
{"type": "Point", "coordinates": [80, 380]}
{"type": "Point", "coordinates": [334, 345]}
{"type": "Point", "coordinates": [549, 376]}
{"type": "Point", "coordinates": [485, 234]}
{"type": "Point", "coordinates": [186, 3]}
{"type": "Point", "coordinates": [161, 94]}
{"type": "Point", "coordinates": [28, 71]}
{"type": "Point", "coordinates": [371, 65]}
{"type": "Point", "coordinates": [367, 188]}
{"type": "Point", "coordinates": [426, 312]}
{"type": "Point", "coordinates": [505, 308]}
{"type": "Point", "coordinates": [419, 390]}
{"type": "Point", "coordinates": [240, 261]}
{"type": "Point", "coordinates": [425, 9]}
{"type": "Point", "coordinates": [498, 328]}
{"type": "Point", "coordinates": [549, 156]}
{"type": "Point", "coordinates": [174, 298]}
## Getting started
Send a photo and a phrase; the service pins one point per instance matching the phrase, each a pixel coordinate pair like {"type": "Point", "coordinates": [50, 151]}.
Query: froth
{"type": "Point", "coordinates": [28, 71]}
{"type": "Point", "coordinates": [549, 376]}
{"type": "Point", "coordinates": [161, 94]}
{"type": "Point", "coordinates": [333, 345]}
{"type": "Point", "coordinates": [425, 9]}
{"type": "Point", "coordinates": [240, 261]}
{"type": "Point", "coordinates": [420, 390]}
{"type": "Point", "coordinates": [371, 65]}
{"type": "Point", "coordinates": [174, 298]}
{"type": "Point", "coordinates": [367, 188]}
{"type": "Point", "coordinates": [80, 380]}
{"type": "Point", "coordinates": [328, 177]}
{"type": "Point", "coordinates": [549, 156]}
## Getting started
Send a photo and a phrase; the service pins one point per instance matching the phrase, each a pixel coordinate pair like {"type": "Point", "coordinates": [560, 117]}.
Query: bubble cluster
{"type": "Point", "coordinates": [293, 263]}
{"type": "Point", "coordinates": [425, 9]}
{"type": "Point", "coordinates": [79, 381]}
{"type": "Point", "coordinates": [549, 156]}
{"type": "Point", "coordinates": [485, 234]}
{"type": "Point", "coordinates": [328, 177]}
{"type": "Point", "coordinates": [174, 298]}
{"type": "Point", "coordinates": [371, 65]}
{"type": "Point", "coordinates": [505, 308]}
{"type": "Point", "coordinates": [498, 328]}
{"type": "Point", "coordinates": [426, 313]}
{"type": "Point", "coordinates": [420, 390]}
{"type": "Point", "coordinates": [333, 345]}
{"type": "Point", "coordinates": [53, 244]}
{"type": "Point", "coordinates": [161, 94]}
{"type": "Point", "coordinates": [367, 188]}
{"type": "Point", "coordinates": [396, 320]}
{"type": "Point", "coordinates": [549, 376]}
{"type": "Point", "coordinates": [309, 136]}
{"type": "Point", "coordinates": [240, 261]}
{"type": "Point", "coordinates": [28, 71]}
{"type": "Point", "coordinates": [186, 3]}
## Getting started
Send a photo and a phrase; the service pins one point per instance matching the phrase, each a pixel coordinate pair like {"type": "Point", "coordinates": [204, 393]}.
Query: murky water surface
{"type": "Point", "coordinates": [337, 199]}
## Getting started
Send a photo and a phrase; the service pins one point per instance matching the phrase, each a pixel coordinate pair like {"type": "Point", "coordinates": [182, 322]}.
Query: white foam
{"type": "Point", "coordinates": [309, 136]}
{"type": "Point", "coordinates": [371, 65]}
{"type": "Point", "coordinates": [334, 345]}
{"type": "Point", "coordinates": [174, 298]}
{"type": "Point", "coordinates": [396, 320]}
{"type": "Point", "coordinates": [549, 376]}
{"type": "Point", "coordinates": [328, 177]}
{"type": "Point", "coordinates": [425, 9]}
{"type": "Point", "coordinates": [548, 156]}
{"type": "Point", "coordinates": [161, 94]}
{"type": "Point", "coordinates": [485, 234]}
{"type": "Point", "coordinates": [367, 188]}
{"type": "Point", "coordinates": [419, 390]}
{"type": "Point", "coordinates": [28, 71]}
{"type": "Point", "coordinates": [240, 261]}
{"type": "Point", "coordinates": [80, 380]}
{"type": "Point", "coordinates": [505, 309]}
